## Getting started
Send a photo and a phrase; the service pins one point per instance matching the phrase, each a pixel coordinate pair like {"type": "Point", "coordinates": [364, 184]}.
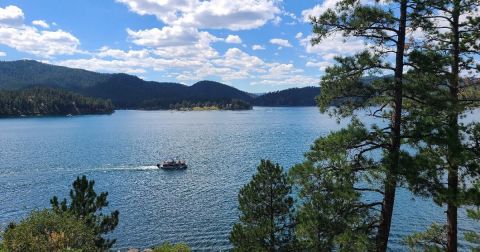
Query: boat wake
{"type": "Point", "coordinates": [129, 168]}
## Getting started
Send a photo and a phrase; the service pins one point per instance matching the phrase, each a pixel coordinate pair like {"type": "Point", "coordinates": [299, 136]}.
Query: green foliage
{"type": "Point", "coordinates": [267, 217]}
{"type": "Point", "coordinates": [168, 247]}
{"type": "Point", "coordinates": [233, 104]}
{"type": "Point", "coordinates": [332, 216]}
{"type": "Point", "coordinates": [444, 69]}
{"type": "Point", "coordinates": [433, 239]}
{"type": "Point", "coordinates": [49, 101]}
{"type": "Point", "coordinates": [49, 231]}
{"type": "Point", "coordinates": [472, 236]}
{"type": "Point", "coordinates": [86, 205]}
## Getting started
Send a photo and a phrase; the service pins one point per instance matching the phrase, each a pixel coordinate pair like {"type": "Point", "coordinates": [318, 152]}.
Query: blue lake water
{"type": "Point", "coordinates": [40, 157]}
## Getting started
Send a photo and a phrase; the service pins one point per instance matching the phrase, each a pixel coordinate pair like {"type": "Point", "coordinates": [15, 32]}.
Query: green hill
{"type": "Point", "coordinates": [50, 101]}
{"type": "Point", "coordinates": [128, 91]}
{"type": "Point", "coordinates": [125, 91]}
{"type": "Point", "coordinates": [25, 73]}
{"type": "Point", "coordinates": [289, 97]}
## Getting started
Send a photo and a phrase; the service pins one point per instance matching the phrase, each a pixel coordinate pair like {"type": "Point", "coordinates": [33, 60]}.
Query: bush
{"type": "Point", "coordinates": [168, 247]}
{"type": "Point", "coordinates": [49, 231]}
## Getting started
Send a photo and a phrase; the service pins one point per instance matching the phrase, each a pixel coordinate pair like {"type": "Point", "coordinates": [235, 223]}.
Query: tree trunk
{"type": "Point", "coordinates": [454, 143]}
{"type": "Point", "coordinates": [394, 151]}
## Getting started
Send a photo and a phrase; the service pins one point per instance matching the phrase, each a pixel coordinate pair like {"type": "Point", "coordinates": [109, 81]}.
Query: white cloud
{"type": "Point", "coordinates": [167, 36]}
{"type": "Point", "coordinates": [233, 39]}
{"type": "Point", "coordinates": [322, 65]}
{"type": "Point", "coordinates": [236, 58]}
{"type": "Point", "coordinates": [212, 14]}
{"type": "Point", "coordinates": [277, 20]}
{"type": "Point", "coordinates": [3, 54]}
{"type": "Point", "coordinates": [293, 80]}
{"type": "Point", "coordinates": [299, 35]}
{"type": "Point", "coordinates": [11, 15]}
{"type": "Point", "coordinates": [96, 64]}
{"type": "Point", "coordinates": [284, 75]}
{"type": "Point", "coordinates": [40, 23]}
{"type": "Point", "coordinates": [334, 45]}
{"type": "Point", "coordinates": [318, 9]}
{"type": "Point", "coordinates": [41, 43]}
{"type": "Point", "coordinates": [106, 52]}
{"type": "Point", "coordinates": [280, 42]}
{"type": "Point", "coordinates": [186, 63]}
{"type": "Point", "coordinates": [258, 47]}
{"type": "Point", "coordinates": [29, 39]}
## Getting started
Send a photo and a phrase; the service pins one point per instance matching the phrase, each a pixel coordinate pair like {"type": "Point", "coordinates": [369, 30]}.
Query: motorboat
{"type": "Point", "coordinates": [173, 165]}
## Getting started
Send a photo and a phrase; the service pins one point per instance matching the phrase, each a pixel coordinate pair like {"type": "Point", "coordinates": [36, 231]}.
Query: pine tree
{"type": "Point", "coordinates": [267, 215]}
{"type": "Point", "coordinates": [383, 25]}
{"type": "Point", "coordinates": [445, 65]}
{"type": "Point", "coordinates": [86, 205]}
{"type": "Point", "coordinates": [332, 216]}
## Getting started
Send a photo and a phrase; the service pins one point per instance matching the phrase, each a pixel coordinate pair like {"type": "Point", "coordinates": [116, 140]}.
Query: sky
{"type": "Point", "coordinates": [253, 45]}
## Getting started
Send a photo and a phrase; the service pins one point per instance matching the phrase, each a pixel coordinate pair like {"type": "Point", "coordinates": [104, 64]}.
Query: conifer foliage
{"type": "Point", "coordinates": [87, 205]}
{"type": "Point", "coordinates": [266, 212]}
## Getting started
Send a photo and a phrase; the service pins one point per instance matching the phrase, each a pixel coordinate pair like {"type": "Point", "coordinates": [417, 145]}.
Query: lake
{"type": "Point", "coordinates": [40, 158]}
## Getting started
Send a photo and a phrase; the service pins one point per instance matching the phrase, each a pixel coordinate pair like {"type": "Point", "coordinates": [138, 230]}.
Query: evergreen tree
{"type": "Point", "coordinates": [383, 25]}
{"type": "Point", "coordinates": [332, 216]}
{"type": "Point", "coordinates": [444, 65]}
{"type": "Point", "coordinates": [267, 216]}
{"type": "Point", "coordinates": [87, 205]}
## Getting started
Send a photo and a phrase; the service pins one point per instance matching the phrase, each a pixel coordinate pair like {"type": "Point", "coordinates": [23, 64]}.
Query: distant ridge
{"type": "Point", "coordinates": [289, 97]}
{"type": "Point", "coordinates": [128, 91]}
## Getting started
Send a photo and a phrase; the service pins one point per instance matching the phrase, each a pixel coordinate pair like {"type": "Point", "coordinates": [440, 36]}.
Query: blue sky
{"type": "Point", "coordinates": [254, 45]}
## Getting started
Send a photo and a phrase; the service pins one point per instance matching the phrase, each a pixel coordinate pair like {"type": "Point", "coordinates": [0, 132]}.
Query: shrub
{"type": "Point", "coordinates": [49, 231]}
{"type": "Point", "coordinates": [168, 247]}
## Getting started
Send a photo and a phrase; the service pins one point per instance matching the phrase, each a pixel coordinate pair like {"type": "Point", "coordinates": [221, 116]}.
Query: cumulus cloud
{"type": "Point", "coordinates": [167, 36]}
{"type": "Point", "coordinates": [40, 43]}
{"type": "Point", "coordinates": [258, 47]}
{"type": "Point", "coordinates": [233, 39]}
{"type": "Point", "coordinates": [321, 65]}
{"type": "Point", "coordinates": [212, 14]}
{"type": "Point", "coordinates": [2, 54]}
{"type": "Point", "coordinates": [29, 39]}
{"type": "Point", "coordinates": [280, 42]}
{"type": "Point", "coordinates": [40, 23]}
{"type": "Point", "coordinates": [299, 35]}
{"type": "Point", "coordinates": [11, 15]}
{"type": "Point", "coordinates": [319, 9]}
{"type": "Point", "coordinates": [335, 45]}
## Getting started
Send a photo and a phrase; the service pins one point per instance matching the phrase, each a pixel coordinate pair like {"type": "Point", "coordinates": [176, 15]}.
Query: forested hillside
{"type": "Point", "coordinates": [50, 101]}
{"type": "Point", "coordinates": [289, 97]}
{"type": "Point", "coordinates": [130, 92]}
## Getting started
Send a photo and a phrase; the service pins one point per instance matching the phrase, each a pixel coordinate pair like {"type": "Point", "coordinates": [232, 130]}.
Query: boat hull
{"type": "Point", "coordinates": [172, 167]}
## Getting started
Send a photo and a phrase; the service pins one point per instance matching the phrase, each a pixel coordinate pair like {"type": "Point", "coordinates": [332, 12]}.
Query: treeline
{"type": "Point", "coordinates": [233, 104]}
{"type": "Point", "coordinates": [417, 136]}
{"type": "Point", "coordinates": [50, 101]}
